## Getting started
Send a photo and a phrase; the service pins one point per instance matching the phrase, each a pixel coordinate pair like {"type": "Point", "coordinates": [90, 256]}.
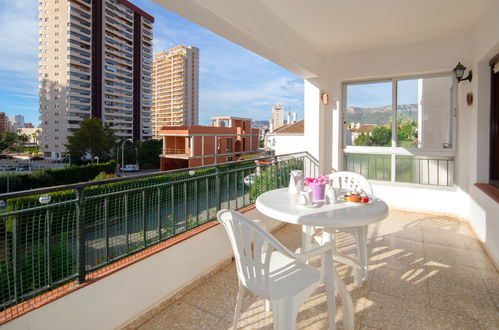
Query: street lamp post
{"type": "Point", "coordinates": [123, 155]}
{"type": "Point", "coordinates": [97, 158]}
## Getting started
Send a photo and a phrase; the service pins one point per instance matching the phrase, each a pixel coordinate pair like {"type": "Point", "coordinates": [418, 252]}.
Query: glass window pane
{"type": "Point", "coordinates": [424, 113]}
{"type": "Point", "coordinates": [368, 117]}
{"type": "Point", "coordinates": [373, 167]}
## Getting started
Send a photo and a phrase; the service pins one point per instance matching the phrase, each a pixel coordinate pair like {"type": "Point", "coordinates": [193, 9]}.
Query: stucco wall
{"type": "Point", "coordinates": [286, 144]}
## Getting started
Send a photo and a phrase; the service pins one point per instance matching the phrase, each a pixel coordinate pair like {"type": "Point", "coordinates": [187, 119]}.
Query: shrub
{"type": "Point", "coordinates": [54, 177]}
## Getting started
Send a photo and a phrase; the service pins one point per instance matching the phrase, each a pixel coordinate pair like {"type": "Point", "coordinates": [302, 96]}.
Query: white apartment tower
{"type": "Point", "coordinates": [277, 116]}
{"type": "Point", "coordinates": [95, 61]}
{"type": "Point", "coordinates": [175, 88]}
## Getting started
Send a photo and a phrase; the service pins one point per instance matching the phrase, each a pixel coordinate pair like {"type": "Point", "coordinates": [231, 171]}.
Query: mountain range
{"type": "Point", "coordinates": [380, 115]}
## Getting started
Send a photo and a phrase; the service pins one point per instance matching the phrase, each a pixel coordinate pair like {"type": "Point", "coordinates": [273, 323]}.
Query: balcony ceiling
{"type": "Point", "coordinates": [338, 26]}
{"type": "Point", "coordinates": [299, 34]}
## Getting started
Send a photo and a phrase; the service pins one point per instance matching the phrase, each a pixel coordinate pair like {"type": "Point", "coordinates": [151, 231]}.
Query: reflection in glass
{"type": "Point", "coordinates": [368, 116]}
{"type": "Point", "coordinates": [424, 113]}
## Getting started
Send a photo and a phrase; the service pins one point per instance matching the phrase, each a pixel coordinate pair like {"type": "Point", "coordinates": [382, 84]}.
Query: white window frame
{"type": "Point", "coordinates": [393, 151]}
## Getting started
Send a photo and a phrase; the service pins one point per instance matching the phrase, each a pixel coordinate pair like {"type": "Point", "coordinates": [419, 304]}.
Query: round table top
{"type": "Point", "coordinates": [283, 206]}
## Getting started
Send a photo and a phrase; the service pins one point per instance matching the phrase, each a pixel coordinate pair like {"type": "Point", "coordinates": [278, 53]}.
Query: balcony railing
{"type": "Point", "coordinates": [58, 236]}
{"type": "Point", "coordinates": [426, 170]}
{"type": "Point", "coordinates": [172, 151]}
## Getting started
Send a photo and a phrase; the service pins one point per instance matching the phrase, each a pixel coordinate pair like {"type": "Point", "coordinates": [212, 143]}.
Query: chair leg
{"type": "Point", "coordinates": [239, 303]}
{"type": "Point", "coordinates": [360, 235]}
{"type": "Point", "coordinates": [285, 312]}
{"type": "Point", "coordinates": [363, 257]}
{"type": "Point", "coordinates": [329, 282]}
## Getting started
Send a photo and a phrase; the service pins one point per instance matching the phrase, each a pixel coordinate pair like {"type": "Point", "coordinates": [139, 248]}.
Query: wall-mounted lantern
{"type": "Point", "coordinates": [459, 72]}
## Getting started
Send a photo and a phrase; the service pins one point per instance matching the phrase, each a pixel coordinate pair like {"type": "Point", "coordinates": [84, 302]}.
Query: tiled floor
{"type": "Point", "coordinates": [426, 272]}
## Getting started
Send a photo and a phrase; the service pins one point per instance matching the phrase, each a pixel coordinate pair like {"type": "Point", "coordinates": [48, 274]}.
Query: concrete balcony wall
{"type": "Point", "coordinates": [121, 296]}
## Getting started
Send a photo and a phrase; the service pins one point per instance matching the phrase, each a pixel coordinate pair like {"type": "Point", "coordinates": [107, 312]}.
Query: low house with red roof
{"type": "Point", "coordinates": [287, 139]}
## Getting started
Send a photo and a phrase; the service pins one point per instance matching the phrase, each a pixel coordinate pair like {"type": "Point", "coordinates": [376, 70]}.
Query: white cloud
{"type": "Point", "coordinates": [19, 36]}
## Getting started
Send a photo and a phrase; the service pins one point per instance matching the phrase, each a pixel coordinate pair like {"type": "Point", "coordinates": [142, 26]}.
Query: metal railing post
{"type": "Point", "coordinates": [15, 258]}
{"type": "Point", "coordinates": [276, 175]}
{"type": "Point", "coordinates": [217, 188]}
{"type": "Point", "coordinates": [80, 233]}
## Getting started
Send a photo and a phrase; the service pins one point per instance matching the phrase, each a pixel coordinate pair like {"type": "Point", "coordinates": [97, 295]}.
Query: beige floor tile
{"type": "Point", "coordinates": [216, 296]}
{"type": "Point", "coordinates": [182, 316]}
{"type": "Point", "coordinates": [230, 272]}
{"type": "Point", "coordinates": [406, 218]}
{"type": "Point", "coordinates": [469, 301]}
{"type": "Point", "coordinates": [223, 324]}
{"type": "Point", "coordinates": [444, 320]}
{"type": "Point", "coordinates": [491, 280]}
{"type": "Point", "coordinates": [440, 223]}
{"type": "Point", "coordinates": [397, 254]}
{"type": "Point", "coordinates": [457, 275]}
{"type": "Point", "coordinates": [473, 245]}
{"type": "Point", "coordinates": [441, 237]}
{"type": "Point", "coordinates": [495, 297]}
{"type": "Point", "coordinates": [387, 312]}
{"type": "Point", "coordinates": [411, 285]}
{"type": "Point", "coordinates": [312, 315]}
{"type": "Point", "coordinates": [448, 256]}
{"type": "Point", "coordinates": [482, 261]}
{"type": "Point", "coordinates": [413, 234]}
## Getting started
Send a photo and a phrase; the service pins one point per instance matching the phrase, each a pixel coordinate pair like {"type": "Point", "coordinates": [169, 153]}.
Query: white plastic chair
{"type": "Point", "coordinates": [351, 181]}
{"type": "Point", "coordinates": [270, 270]}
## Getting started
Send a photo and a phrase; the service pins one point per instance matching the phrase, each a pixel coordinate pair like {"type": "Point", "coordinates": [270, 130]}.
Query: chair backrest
{"type": "Point", "coordinates": [350, 181]}
{"type": "Point", "coordinates": [253, 247]}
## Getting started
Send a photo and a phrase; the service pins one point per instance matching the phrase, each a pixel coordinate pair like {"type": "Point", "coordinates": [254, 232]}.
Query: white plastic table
{"type": "Point", "coordinates": [283, 206]}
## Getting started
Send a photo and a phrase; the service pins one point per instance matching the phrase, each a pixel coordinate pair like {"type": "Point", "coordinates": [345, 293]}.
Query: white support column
{"type": "Point", "coordinates": [191, 146]}
{"type": "Point", "coordinates": [215, 143]}
{"type": "Point", "coordinates": [202, 150]}
{"type": "Point", "coordinates": [164, 145]}
{"type": "Point", "coordinates": [318, 125]}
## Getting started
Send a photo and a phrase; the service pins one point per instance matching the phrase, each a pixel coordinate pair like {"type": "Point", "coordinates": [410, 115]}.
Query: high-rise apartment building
{"type": "Point", "coordinates": [175, 88]}
{"type": "Point", "coordinates": [17, 121]}
{"type": "Point", "coordinates": [277, 116]}
{"type": "Point", "coordinates": [4, 123]}
{"type": "Point", "coordinates": [95, 61]}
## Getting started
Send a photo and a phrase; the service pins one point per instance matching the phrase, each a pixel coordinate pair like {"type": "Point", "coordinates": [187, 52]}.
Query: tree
{"type": "Point", "coordinates": [22, 140]}
{"type": "Point", "coordinates": [407, 131]}
{"type": "Point", "coordinates": [91, 138]}
{"type": "Point", "coordinates": [149, 152]}
{"type": "Point", "coordinates": [363, 140]}
{"type": "Point", "coordinates": [9, 141]}
{"type": "Point", "coordinates": [381, 136]}
{"type": "Point", "coordinates": [36, 137]}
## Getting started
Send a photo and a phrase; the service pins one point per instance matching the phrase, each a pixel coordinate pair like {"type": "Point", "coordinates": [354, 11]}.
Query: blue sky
{"type": "Point", "coordinates": [380, 94]}
{"type": "Point", "coordinates": [233, 80]}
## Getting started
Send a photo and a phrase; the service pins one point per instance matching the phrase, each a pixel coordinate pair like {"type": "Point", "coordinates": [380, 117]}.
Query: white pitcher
{"type": "Point", "coordinates": [295, 182]}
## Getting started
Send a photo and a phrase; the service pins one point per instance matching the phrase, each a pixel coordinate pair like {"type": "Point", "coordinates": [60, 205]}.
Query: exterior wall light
{"type": "Point", "coordinates": [459, 72]}
{"type": "Point", "coordinates": [325, 98]}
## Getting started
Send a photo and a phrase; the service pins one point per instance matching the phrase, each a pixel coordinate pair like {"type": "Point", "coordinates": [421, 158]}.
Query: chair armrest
{"type": "Point", "coordinates": [312, 253]}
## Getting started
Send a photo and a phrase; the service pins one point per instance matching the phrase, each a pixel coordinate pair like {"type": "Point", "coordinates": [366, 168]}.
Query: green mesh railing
{"type": "Point", "coordinates": [54, 237]}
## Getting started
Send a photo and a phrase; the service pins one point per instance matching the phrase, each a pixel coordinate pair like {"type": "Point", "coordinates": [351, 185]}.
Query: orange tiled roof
{"type": "Point", "coordinates": [296, 128]}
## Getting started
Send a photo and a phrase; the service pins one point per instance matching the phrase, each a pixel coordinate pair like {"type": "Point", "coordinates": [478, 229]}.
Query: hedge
{"type": "Point", "coordinates": [54, 177]}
